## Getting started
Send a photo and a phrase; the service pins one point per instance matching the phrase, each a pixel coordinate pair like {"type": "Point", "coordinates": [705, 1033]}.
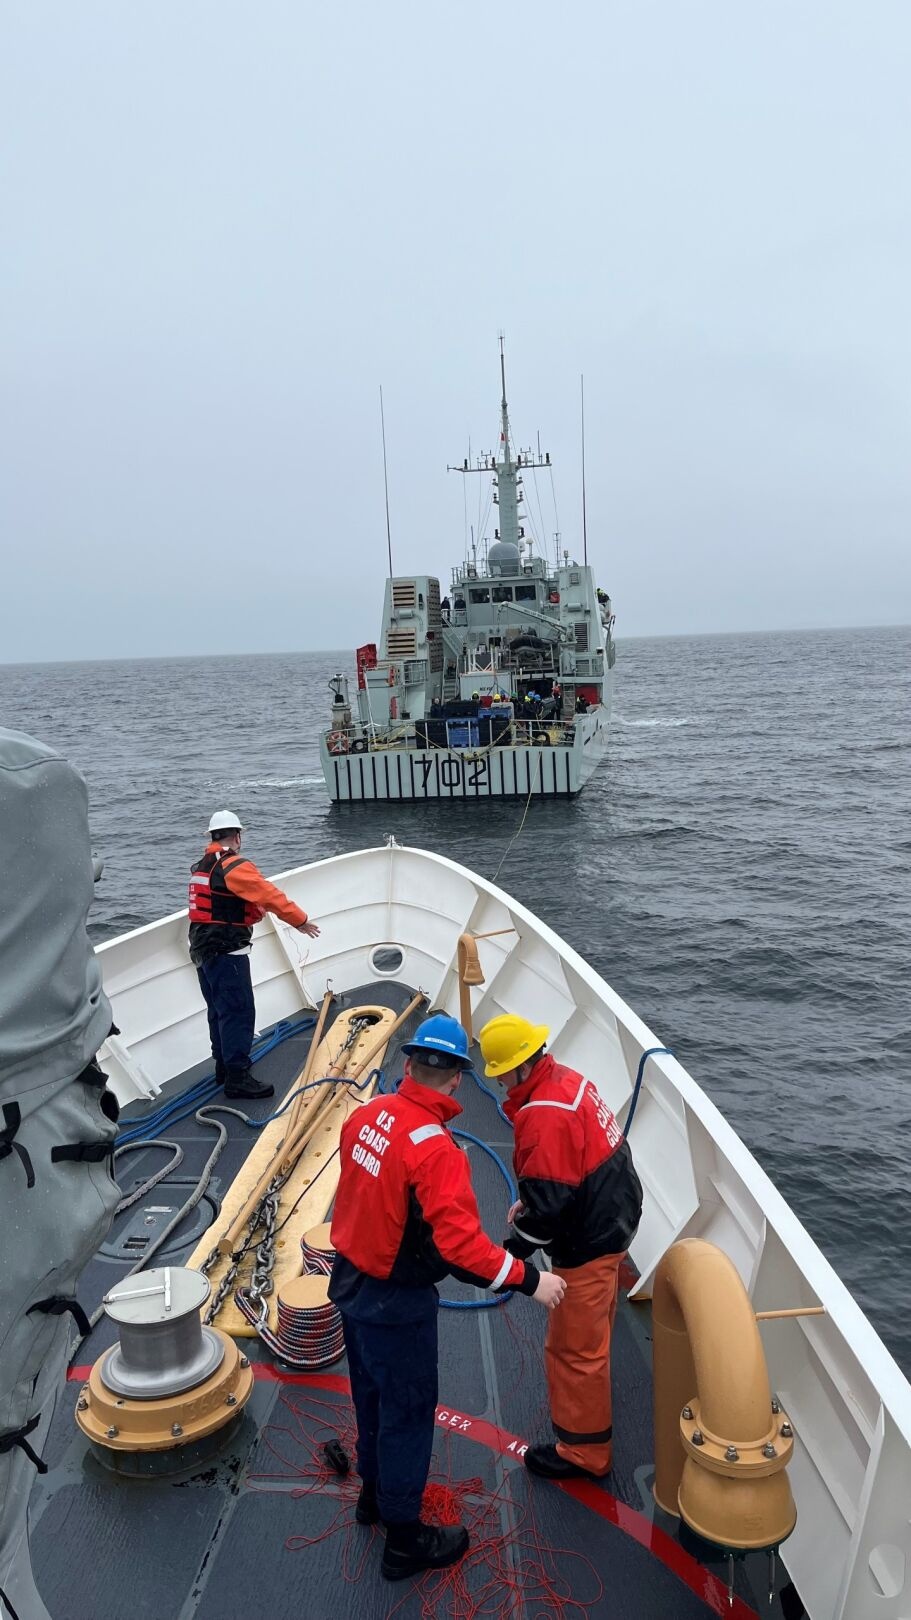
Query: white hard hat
{"type": "Point", "coordinates": [223, 819]}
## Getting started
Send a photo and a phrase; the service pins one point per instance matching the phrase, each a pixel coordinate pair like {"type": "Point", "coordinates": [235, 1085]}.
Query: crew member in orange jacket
{"type": "Point", "coordinates": [228, 894]}
{"type": "Point", "coordinates": [580, 1200]}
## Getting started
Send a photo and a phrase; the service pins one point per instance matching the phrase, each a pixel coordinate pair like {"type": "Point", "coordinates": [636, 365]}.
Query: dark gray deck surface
{"type": "Point", "coordinates": [221, 1545]}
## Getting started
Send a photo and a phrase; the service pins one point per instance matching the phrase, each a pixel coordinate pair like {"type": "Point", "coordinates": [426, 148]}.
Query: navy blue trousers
{"type": "Point", "coordinates": [393, 1371]}
{"type": "Point", "coordinates": [228, 990]}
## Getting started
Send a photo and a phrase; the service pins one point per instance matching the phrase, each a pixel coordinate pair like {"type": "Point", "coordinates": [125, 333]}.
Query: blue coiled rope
{"type": "Point", "coordinates": [205, 1090]}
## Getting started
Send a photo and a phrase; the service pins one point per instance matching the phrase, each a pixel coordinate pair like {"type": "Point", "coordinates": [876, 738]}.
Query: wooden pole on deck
{"type": "Point", "coordinates": [293, 1145]}
{"type": "Point", "coordinates": [307, 1071]}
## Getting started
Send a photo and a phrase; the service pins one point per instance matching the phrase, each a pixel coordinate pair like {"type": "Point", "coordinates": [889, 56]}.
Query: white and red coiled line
{"type": "Point", "coordinates": [317, 1250]}
{"type": "Point", "coordinates": [309, 1327]}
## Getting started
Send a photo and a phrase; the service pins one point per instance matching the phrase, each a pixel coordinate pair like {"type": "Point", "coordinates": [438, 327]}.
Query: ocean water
{"type": "Point", "coordinates": [738, 871]}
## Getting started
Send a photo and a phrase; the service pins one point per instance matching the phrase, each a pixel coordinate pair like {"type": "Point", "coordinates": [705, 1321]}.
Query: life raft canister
{"type": "Point", "coordinates": [337, 742]}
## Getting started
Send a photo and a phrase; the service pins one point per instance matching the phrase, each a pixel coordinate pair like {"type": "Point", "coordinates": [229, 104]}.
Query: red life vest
{"type": "Point", "coordinates": [219, 920]}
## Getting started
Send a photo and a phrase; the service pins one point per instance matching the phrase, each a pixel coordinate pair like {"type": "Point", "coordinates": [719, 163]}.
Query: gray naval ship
{"type": "Point", "coordinates": [500, 688]}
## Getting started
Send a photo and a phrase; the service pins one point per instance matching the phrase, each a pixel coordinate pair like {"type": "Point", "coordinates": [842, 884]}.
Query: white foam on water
{"type": "Point", "coordinates": [276, 782]}
{"type": "Point", "coordinates": [663, 721]}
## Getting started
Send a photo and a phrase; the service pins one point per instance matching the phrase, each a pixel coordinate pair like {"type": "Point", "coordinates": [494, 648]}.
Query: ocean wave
{"type": "Point", "coordinates": [275, 782]}
{"type": "Point", "coordinates": [663, 720]}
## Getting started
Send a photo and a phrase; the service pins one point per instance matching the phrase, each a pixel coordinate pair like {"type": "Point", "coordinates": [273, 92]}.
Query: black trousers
{"type": "Point", "coordinates": [228, 990]}
{"type": "Point", "coordinates": [394, 1387]}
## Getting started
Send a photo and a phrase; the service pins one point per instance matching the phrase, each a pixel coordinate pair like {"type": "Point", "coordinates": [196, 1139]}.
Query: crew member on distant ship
{"type": "Point", "coordinates": [580, 1200]}
{"type": "Point", "coordinates": [405, 1216]}
{"type": "Point", "coordinates": [228, 894]}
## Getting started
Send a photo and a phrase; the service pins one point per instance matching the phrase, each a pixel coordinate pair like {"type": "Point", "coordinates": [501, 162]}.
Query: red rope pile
{"type": "Point", "coordinates": [509, 1570]}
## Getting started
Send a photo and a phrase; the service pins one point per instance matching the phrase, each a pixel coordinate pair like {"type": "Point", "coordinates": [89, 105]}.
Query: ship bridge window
{"type": "Point", "coordinates": [502, 593]}
{"type": "Point", "coordinates": [479, 593]}
{"type": "Point", "coordinates": [526, 593]}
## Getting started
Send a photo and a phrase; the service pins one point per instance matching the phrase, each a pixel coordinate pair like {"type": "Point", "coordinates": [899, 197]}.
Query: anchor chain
{"type": "Point", "coordinates": [262, 1283]}
{"type": "Point", "coordinates": [226, 1286]}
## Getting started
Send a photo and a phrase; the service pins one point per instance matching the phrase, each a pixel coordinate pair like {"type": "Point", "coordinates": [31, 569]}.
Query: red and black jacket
{"type": "Point", "coordinates": [581, 1195]}
{"type": "Point", "coordinates": [228, 894]}
{"type": "Point", "coordinates": [405, 1212]}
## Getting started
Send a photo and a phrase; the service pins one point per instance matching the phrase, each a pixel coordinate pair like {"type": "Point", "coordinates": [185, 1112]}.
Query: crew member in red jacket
{"type": "Point", "coordinates": [228, 894]}
{"type": "Point", "coordinates": [580, 1200]}
{"type": "Point", "coordinates": [405, 1216]}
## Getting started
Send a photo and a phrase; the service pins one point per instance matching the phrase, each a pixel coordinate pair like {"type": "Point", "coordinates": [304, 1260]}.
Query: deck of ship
{"type": "Point", "coordinates": [267, 1529]}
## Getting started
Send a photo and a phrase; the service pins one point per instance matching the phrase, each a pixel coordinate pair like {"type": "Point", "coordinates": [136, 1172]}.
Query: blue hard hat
{"type": "Point", "coordinates": [440, 1042]}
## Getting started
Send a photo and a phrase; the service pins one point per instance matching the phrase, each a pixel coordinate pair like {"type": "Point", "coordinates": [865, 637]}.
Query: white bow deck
{"type": "Point", "coordinates": [850, 1555]}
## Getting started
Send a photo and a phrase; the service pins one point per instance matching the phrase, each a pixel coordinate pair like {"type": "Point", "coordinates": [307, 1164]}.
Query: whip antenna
{"type": "Point", "coordinates": [584, 521]}
{"type": "Point", "coordinates": [386, 481]}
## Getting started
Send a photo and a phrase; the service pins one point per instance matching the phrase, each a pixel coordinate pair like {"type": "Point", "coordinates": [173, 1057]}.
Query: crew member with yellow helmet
{"type": "Point", "coordinates": [580, 1200]}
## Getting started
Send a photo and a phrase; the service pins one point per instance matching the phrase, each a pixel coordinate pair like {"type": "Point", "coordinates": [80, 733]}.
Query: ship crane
{"type": "Point", "coordinates": [558, 632]}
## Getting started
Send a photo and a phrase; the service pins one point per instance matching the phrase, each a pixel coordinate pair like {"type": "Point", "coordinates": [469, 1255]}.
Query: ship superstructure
{"type": "Point", "coordinates": [498, 687]}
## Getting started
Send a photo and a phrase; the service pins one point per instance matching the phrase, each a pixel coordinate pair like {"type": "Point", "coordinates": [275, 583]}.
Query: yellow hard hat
{"type": "Point", "coordinates": [508, 1041]}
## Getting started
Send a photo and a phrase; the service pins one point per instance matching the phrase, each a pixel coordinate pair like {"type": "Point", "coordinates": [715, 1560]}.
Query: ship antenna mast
{"type": "Point", "coordinates": [504, 412]}
{"type": "Point", "coordinates": [507, 471]}
{"type": "Point", "coordinates": [386, 481]}
{"type": "Point", "coordinates": [584, 522]}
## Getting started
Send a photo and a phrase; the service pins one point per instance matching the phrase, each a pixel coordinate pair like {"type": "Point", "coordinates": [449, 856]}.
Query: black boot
{"type": "Point", "coordinates": [367, 1510]}
{"type": "Point", "coordinates": [548, 1464]}
{"type": "Point", "coordinates": [240, 1083]}
{"type": "Point", "coordinates": [413, 1547]}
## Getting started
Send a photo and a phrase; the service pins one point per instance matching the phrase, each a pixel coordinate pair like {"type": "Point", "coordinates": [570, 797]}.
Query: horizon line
{"type": "Point", "coordinates": [312, 652]}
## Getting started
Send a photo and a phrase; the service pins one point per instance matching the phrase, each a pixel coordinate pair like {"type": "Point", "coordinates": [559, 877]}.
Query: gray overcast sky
{"type": "Point", "coordinates": [224, 225]}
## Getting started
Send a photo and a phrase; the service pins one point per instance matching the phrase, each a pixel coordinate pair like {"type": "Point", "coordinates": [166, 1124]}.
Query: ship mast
{"type": "Point", "coordinates": [505, 468]}
{"type": "Point", "coordinates": [507, 480]}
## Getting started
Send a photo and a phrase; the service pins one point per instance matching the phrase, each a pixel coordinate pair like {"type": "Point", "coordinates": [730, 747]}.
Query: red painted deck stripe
{"type": "Point", "coordinates": [632, 1523]}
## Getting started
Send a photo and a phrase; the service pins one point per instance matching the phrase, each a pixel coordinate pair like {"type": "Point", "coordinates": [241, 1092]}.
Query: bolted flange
{"type": "Point", "coordinates": [734, 1491]}
{"type": "Point", "coordinates": [757, 1457]}
{"type": "Point", "coordinates": [171, 1423]}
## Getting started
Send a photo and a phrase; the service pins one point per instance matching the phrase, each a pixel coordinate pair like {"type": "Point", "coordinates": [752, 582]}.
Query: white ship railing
{"type": "Point", "coordinates": [373, 738]}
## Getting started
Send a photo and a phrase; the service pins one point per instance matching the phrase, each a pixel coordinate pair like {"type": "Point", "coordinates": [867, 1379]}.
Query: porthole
{"type": "Point", "coordinates": [386, 960]}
